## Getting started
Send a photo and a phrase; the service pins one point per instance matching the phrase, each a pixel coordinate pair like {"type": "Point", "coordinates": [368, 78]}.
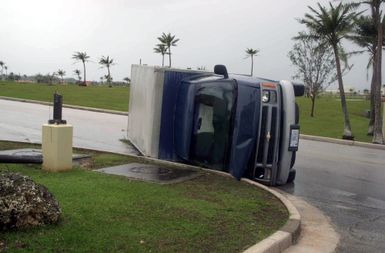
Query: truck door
{"type": "Point", "coordinates": [212, 123]}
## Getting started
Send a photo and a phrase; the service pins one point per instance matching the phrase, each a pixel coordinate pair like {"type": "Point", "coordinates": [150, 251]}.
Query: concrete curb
{"type": "Point", "coordinates": [78, 107]}
{"type": "Point", "coordinates": [342, 142]}
{"type": "Point", "coordinates": [286, 235]}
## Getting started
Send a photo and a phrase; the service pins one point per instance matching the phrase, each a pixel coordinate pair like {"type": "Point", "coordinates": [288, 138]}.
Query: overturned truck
{"type": "Point", "coordinates": [242, 125]}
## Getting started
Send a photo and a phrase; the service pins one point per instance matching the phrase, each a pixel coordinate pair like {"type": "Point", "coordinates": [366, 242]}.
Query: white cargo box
{"type": "Point", "coordinates": [145, 106]}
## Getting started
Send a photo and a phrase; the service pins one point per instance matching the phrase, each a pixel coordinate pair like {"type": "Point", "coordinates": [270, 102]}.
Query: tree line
{"type": "Point", "coordinates": [321, 59]}
{"type": "Point", "coordinates": [104, 61]}
{"type": "Point", "coordinates": [166, 41]}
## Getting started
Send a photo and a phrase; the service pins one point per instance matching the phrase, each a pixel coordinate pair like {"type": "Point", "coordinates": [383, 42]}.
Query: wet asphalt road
{"type": "Point", "coordinates": [347, 183]}
{"type": "Point", "coordinates": [94, 130]}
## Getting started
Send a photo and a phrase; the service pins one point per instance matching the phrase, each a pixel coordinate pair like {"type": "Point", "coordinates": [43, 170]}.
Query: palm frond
{"type": "Point", "coordinates": [81, 56]}
{"type": "Point", "coordinates": [168, 40]}
{"type": "Point", "coordinates": [251, 52]}
{"type": "Point", "coordinates": [106, 61]}
{"type": "Point", "coordinates": [160, 49]}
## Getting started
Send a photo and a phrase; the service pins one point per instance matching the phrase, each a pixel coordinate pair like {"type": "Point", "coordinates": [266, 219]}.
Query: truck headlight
{"type": "Point", "coordinates": [265, 96]}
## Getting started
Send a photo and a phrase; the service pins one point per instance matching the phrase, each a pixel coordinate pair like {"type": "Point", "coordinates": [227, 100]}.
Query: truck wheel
{"type": "Point", "coordinates": [291, 177]}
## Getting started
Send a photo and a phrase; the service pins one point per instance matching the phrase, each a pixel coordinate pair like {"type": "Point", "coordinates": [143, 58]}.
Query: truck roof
{"type": "Point", "coordinates": [249, 79]}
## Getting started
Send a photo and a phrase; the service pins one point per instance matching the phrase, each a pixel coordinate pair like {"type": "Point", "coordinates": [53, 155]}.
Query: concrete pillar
{"type": "Point", "coordinates": [57, 147]}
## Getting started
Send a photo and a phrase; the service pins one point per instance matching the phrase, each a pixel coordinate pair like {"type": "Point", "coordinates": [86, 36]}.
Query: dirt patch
{"type": "Point", "coordinates": [85, 163]}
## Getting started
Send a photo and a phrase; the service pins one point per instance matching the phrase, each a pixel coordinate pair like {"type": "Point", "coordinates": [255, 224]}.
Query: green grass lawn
{"type": "Point", "coordinates": [105, 213]}
{"type": "Point", "coordinates": [328, 118]}
{"type": "Point", "coordinates": [114, 98]}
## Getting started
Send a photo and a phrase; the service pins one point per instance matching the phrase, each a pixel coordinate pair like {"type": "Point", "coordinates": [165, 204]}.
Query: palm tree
{"type": "Point", "coordinates": [331, 26]}
{"type": "Point", "coordinates": [127, 79]}
{"type": "Point", "coordinates": [107, 62]}
{"type": "Point", "coordinates": [78, 73]}
{"type": "Point", "coordinates": [51, 78]}
{"type": "Point", "coordinates": [2, 64]}
{"type": "Point", "coordinates": [365, 36]}
{"type": "Point", "coordinates": [6, 71]}
{"type": "Point", "coordinates": [161, 49]}
{"type": "Point", "coordinates": [83, 57]}
{"type": "Point", "coordinates": [250, 53]}
{"type": "Point", "coordinates": [61, 73]}
{"type": "Point", "coordinates": [378, 21]}
{"type": "Point", "coordinates": [169, 41]}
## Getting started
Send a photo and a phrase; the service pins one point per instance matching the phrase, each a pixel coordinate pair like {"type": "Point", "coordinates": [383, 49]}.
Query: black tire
{"type": "Point", "coordinates": [291, 177]}
{"type": "Point", "coordinates": [293, 157]}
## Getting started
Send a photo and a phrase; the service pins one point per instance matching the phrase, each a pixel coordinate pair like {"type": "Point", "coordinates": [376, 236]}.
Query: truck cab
{"type": "Point", "coordinates": [238, 124]}
{"type": "Point", "coordinates": [235, 124]}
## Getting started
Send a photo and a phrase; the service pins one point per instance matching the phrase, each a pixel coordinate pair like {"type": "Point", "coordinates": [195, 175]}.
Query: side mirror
{"type": "Point", "coordinates": [299, 89]}
{"type": "Point", "coordinates": [221, 70]}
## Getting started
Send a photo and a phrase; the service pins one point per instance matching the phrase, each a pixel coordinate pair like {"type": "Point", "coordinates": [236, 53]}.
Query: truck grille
{"type": "Point", "coordinates": [273, 134]}
{"type": "Point", "coordinates": [266, 152]}
{"type": "Point", "coordinates": [262, 135]}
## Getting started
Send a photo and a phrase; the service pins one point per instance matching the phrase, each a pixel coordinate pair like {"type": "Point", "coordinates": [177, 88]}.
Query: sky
{"type": "Point", "coordinates": [40, 36]}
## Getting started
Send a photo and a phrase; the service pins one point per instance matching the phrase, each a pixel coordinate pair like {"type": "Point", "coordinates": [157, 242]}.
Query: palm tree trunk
{"type": "Point", "coordinates": [347, 127]}
{"type": "Point", "coordinates": [169, 56]}
{"type": "Point", "coordinates": [372, 88]}
{"type": "Point", "coordinates": [109, 76]}
{"type": "Point", "coordinates": [377, 128]}
{"type": "Point", "coordinates": [84, 69]}
{"type": "Point", "coordinates": [252, 65]}
{"type": "Point", "coordinates": [162, 60]}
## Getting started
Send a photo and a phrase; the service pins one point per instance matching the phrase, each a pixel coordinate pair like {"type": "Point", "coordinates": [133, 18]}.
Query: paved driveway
{"type": "Point", "coordinates": [93, 130]}
{"type": "Point", "coordinates": [348, 184]}
{"type": "Point", "coordinates": [345, 182]}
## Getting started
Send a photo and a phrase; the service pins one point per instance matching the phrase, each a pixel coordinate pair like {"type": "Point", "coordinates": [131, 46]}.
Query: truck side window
{"type": "Point", "coordinates": [213, 113]}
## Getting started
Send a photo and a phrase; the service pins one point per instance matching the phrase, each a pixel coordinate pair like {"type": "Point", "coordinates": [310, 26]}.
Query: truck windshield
{"type": "Point", "coordinates": [213, 109]}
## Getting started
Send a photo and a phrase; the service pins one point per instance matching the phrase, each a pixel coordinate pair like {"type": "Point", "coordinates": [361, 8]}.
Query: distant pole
{"type": "Point", "coordinates": [140, 61]}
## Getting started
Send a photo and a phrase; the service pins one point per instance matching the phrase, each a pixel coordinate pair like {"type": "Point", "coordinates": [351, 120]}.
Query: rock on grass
{"type": "Point", "coordinates": [25, 204]}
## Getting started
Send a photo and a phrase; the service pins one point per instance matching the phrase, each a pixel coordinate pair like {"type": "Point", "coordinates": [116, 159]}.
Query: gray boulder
{"type": "Point", "coordinates": [24, 204]}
